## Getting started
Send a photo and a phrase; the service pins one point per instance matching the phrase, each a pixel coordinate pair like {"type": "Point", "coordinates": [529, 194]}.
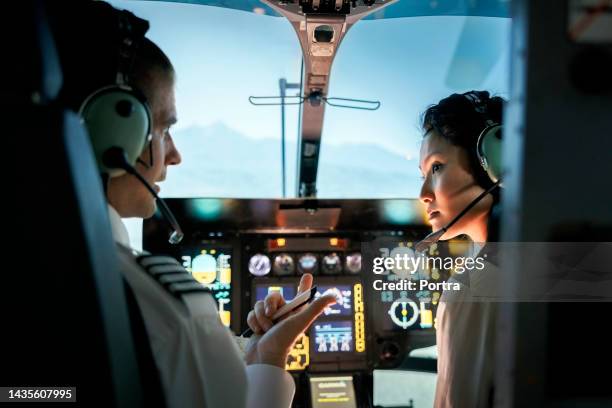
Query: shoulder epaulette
{"type": "Point", "coordinates": [170, 274]}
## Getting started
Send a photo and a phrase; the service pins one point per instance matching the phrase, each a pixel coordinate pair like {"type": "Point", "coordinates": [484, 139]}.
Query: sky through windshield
{"type": "Point", "coordinates": [231, 148]}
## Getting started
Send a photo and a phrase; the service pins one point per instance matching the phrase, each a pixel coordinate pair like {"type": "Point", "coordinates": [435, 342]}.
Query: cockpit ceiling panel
{"type": "Point", "coordinates": [402, 8]}
{"type": "Point", "coordinates": [280, 215]}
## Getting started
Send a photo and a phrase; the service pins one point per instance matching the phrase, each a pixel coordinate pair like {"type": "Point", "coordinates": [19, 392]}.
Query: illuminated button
{"type": "Point", "coordinates": [360, 340]}
{"type": "Point", "coordinates": [353, 263]}
{"type": "Point", "coordinates": [400, 311]}
{"type": "Point", "coordinates": [283, 265]}
{"type": "Point", "coordinates": [204, 269]}
{"type": "Point", "coordinates": [331, 264]}
{"type": "Point", "coordinates": [259, 265]}
{"type": "Point", "coordinates": [307, 263]}
{"type": "Point", "coordinates": [426, 316]}
{"type": "Point", "coordinates": [280, 242]}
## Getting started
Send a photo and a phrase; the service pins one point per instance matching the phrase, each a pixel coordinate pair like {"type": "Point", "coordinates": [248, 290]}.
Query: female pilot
{"type": "Point", "coordinates": [452, 179]}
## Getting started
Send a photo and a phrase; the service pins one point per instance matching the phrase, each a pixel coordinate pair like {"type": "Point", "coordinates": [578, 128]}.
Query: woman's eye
{"type": "Point", "coordinates": [435, 167]}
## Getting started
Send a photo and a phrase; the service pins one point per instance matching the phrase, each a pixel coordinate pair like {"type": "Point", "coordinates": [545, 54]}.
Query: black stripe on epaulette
{"type": "Point", "coordinates": [181, 288]}
{"type": "Point", "coordinates": [171, 275]}
{"type": "Point", "coordinates": [159, 270]}
{"type": "Point", "coordinates": [147, 261]}
{"type": "Point", "coordinates": [174, 278]}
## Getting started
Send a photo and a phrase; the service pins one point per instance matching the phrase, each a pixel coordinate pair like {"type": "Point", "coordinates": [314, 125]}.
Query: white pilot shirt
{"type": "Point", "coordinates": [199, 362]}
{"type": "Point", "coordinates": [465, 336]}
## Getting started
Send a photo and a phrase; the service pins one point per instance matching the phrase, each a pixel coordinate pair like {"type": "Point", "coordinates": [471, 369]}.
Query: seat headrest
{"type": "Point", "coordinates": [32, 62]}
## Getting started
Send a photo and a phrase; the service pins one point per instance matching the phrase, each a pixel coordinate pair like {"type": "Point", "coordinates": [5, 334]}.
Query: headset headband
{"type": "Point", "coordinates": [130, 33]}
{"type": "Point", "coordinates": [479, 106]}
{"type": "Point", "coordinates": [117, 116]}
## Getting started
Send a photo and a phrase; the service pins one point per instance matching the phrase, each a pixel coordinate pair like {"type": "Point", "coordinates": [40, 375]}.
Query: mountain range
{"type": "Point", "coordinates": [219, 161]}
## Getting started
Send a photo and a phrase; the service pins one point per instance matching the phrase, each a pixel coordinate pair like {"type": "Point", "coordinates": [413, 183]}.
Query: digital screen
{"type": "Point", "coordinates": [299, 356]}
{"type": "Point", "coordinates": [404, 311]}
{"type": "Point", "coordinates": [287, 290]}
{"type": "Point", "coordinates": [333, 337]}
{"type": "Point", "coordinates": [400, 301]}
{"type": "Point", "coordinates": [344, 299]}
{"type": "Point", "coordinates": [212, 267]}
{"type": "Point", "coordinates": [333, 392]}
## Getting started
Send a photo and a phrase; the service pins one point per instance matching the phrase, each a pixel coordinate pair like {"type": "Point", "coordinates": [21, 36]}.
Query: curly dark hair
{"type": "Point", "coordinates": [457, 120]}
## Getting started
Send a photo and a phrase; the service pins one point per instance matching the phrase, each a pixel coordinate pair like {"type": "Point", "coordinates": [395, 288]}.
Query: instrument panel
{"type": "Point", "coordinates": [211, 265]}
{"type": "Point", "coordinates": [249, 249]}
{"type": "Point", "coordinates": [336, 340]}
{"type": "Point", "coordinates": [364, 329]}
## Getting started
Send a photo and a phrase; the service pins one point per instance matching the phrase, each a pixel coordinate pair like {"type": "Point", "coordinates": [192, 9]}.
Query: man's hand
{"type": "Point", "coordinates": [271, 342]}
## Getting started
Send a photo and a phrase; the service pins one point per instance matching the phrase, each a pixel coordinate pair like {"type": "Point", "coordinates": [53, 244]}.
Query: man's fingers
{"type": "Point", "coordinates": [304, 286]}
{"type": "Point", "coordinates": [260, 315]}
{"type": "Point", "coordinates": [272, 303]}
{"type": "Point", "coordinates": [252, 322]}
{"type": "Point", "coordinates": [305, 283]}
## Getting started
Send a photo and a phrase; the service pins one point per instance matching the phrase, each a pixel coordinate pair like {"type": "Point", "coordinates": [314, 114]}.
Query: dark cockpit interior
{"type": "Point", "coordinates": [331, 187]}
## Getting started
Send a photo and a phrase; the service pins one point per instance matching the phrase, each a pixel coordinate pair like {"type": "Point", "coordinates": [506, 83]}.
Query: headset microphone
{"type": "Point", "coordinates": [115, 158]}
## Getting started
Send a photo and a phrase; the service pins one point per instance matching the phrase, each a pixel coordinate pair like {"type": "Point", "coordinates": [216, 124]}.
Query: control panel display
{"type": "Point", "coordinates": [299, 356]}
{"type": "Point", "coordinates": [336, 340]}
{"type": "Point", "coordinates": [287, 290]}
{"type": "Point", "coordinates": [405, 309]}
{"type": "Point", "coordinates": [333, 336]}
{"type": "Point", "coordinates": [333, 392]}
{"type": "Point", "coordinates": [212, 267]}
{"type": "Point", "coordinates": [344, 299]}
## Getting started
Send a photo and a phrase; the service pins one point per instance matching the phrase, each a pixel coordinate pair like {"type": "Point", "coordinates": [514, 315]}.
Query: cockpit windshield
{"type": "Point", "coordinates": [407, 64]}
{"type": "Point", "coordinates": [232, 148]}
{"type": "Point", "coordinates": [222, 56]}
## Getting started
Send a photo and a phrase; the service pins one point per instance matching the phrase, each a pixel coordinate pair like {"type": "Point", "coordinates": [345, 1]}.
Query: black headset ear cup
{"type": "Point", "coordinates": [116, 116]}
{"type": "Point", "coordinates": [489, 151]}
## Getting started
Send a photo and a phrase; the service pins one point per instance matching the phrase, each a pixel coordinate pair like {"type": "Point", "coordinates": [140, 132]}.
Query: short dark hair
{"type": "Point", "coordinates": [149, 61]}
{"type": "Point", "coordinates": [88, 48]}
{"type": "Point", "coordinates": [456, 119]}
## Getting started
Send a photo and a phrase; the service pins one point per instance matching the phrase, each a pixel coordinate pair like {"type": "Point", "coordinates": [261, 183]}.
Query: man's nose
{"type": "Point", "coordinates": [173, 157]}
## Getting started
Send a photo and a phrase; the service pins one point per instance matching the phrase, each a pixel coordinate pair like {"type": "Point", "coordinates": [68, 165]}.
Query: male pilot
{"type": "Point", "coordinates": [199, 363]}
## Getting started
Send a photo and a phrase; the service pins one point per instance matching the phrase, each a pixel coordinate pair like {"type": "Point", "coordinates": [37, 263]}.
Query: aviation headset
{"type": "Point", "coordinates": [489, 142]}
{"type": "Point", "coordinates": [117, 115]}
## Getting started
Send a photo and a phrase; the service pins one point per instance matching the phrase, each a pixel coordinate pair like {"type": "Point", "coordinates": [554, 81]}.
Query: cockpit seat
{"type": "Point", "coordinates": [64, 316]}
